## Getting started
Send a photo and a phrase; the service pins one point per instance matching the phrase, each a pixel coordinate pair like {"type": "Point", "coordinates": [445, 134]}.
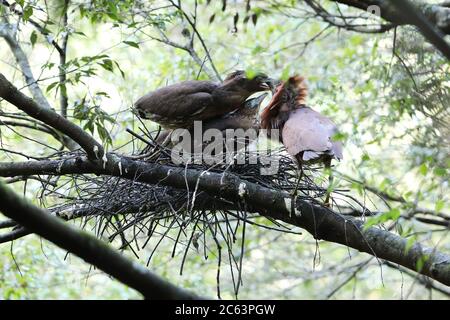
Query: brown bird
{"type": "Point", "coordinates": [179, 105]}
{"type": "Point", "coordinates": [245, 117]}
{"type": "Point", "coordinates": [306, 134]}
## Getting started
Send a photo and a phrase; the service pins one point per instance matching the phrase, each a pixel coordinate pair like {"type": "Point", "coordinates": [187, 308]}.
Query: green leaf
{"type": "Point", "coordinates": [423, 169]}
{"type": "Point", "coordinates": [132, 44]}
{"type": "Point", "coordinates": [339, 136]}
{"type": "Point", "coordinates": [250, 73]}
{"type": "Point", "coordinates": [257, 49]}
{"type": "Point", "coordinates": [421, 262]}
{"type": "Point", "coordinates": [63, 89]}
{"type": "Point", "coordinates": [392, 214]}
{"type": "Point", "coordinates": [439, 205]}
{"type": "Point", "coordinates": [51, 86]}
{"type": "Point", "coordinates": [27, 13]}
{"type": "Point", "coordinates": [107, 64]}
{"type": "Point", "coordinates": [89, 126]}
{"type": "Point", "coordinates": [112, 12]}
{"type": "Point", "coordinates": [285, 73]}
{"type": "Point", "coordinates": [102, 93]}
{"type": "Point", "coordinates": [120, 69]}
{"type": "Point", "coordinates": [409, 244]}
{"type": "Point", "coordinates": [440, 172]}
{"type": "Point", "coordinates": [33, 38]}
{"type": "Point", "coordinates": [80, 33]}
{"type": "Point", "coordinates": [103, 133]}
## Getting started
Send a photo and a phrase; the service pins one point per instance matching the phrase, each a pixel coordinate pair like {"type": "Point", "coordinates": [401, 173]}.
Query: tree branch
{"type": "Point", "coordinates": [392, 11]}
{"type": "Point", "coordinates": [10, 93]}
{"type": "Point", "coordinates": [423, 281]}
{"type": "Point", "coordinates": [88, 248]}
{"type": "Point", "coordinates": [215, 75]}
{"type": "Point", "coordinates": [321, 222]}
{"type": "Point", "coordinates": [6, 32]}
{"type": "Point", "coordinates": [411, 14]}
{"type": "Point", "coordinates": [38, 27]}
{"type": "Point", "coordinates": [63, 101]}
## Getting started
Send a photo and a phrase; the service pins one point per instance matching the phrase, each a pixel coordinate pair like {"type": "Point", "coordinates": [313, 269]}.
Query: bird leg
{"type": "Point", "coordinates": [327, 164]}
{"type": "Point", "coordinates": [299, 178]}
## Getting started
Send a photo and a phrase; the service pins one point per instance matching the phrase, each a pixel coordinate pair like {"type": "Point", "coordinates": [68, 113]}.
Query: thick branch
{"type": "Point", "coordinates": [411, 14]}
{"type": "Point", "coordinates": [437, 14]}
{"type": "Point", "coordinates": [11, 94]}
{"type": "Point", "coordinates": [321, 222]}
{"type": "Point", "coordinates": [88, 248]}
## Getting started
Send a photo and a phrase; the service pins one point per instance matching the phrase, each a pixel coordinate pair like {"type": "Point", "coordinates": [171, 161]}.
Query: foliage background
{"type": "Point", "coordinates": [395, 129]}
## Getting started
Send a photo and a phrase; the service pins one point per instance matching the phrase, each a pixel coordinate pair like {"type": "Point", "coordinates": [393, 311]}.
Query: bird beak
{"type": "Point", "coordinates": [276, 98]}
{"type": "Point", "coordinates": [273, 84]}
{"type": "Point", "coordinates": [265, 86]}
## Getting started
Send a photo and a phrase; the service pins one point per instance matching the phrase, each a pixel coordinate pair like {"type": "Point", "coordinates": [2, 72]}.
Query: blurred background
{"type": "Point", "coordinates": [387, 89]}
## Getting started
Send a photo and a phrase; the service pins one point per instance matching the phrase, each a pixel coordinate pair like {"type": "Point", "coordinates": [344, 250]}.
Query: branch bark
{"type": "Point", "coordinates": [437, 14]}
{"type": "Point", "coordinates": [415, 17]}
{"type": "Point", "coordinates": [88, 248]}
{"type": "Point", "coordinates": [321, 222]}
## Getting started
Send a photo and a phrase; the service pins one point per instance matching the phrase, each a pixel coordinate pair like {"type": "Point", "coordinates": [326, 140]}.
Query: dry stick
{"type": "Point", "coordinates": [88, 248]}
{"type": "Point", "coordinates": [216, 75]}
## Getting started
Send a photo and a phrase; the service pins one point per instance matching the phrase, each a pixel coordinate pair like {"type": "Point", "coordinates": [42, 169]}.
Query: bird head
{"type": "Point", "coordinates": [293, 91]}
{"type": "Point", "coordinates": [297, 89]}
{"type": "Point", "coordinates": [288, 95]}
{"type": "Point", "coordinates": [240, 81]}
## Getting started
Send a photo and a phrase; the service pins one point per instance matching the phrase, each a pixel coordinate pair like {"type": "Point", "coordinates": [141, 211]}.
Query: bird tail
{"type": "Point", "coordinates": [298, 84]}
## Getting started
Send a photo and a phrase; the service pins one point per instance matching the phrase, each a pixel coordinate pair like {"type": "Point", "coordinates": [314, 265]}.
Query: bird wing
{"type": "Point", "coordinates": [244, 117]}
{"type": "Point", "coordinates": [310, 132]}
{"type": "Point", "coordinates": [177, 101]}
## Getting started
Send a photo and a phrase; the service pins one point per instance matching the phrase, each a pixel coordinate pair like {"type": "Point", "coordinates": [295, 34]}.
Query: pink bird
{"type": "Point", "coordinates": [306, 134]}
